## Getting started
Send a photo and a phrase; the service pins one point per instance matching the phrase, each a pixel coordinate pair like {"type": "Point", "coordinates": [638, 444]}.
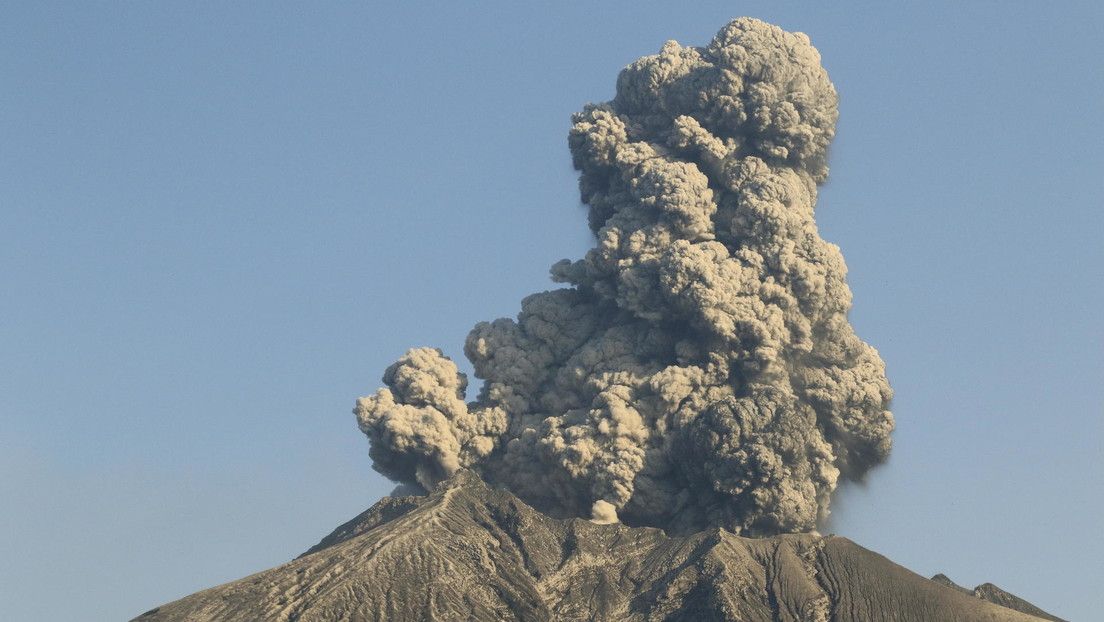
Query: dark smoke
{"type": "Point", "coordinates": [700, 370]}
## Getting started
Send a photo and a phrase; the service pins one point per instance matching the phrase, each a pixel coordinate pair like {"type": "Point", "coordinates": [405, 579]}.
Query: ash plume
{"type": "Point", "coordinates": [698, 370]}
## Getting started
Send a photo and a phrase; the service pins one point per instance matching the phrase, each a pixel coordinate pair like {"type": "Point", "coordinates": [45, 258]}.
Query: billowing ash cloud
{"type": "Point", "coordinates": [700, 370]}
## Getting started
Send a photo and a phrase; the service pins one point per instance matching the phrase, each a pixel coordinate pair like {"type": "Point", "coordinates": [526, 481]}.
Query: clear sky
{"type": "Point", "coordinates": [219, 225]}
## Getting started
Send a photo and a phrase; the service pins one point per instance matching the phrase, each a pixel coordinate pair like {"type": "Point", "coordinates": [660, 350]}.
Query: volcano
{"type": "Point", "coordinates": [473, 553]}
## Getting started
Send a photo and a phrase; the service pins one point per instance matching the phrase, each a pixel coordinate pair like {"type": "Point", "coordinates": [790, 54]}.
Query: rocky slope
{"type": "Point", "coordinates": [467, 552]}
{"type": "Point", "coordinates": [993, 594]}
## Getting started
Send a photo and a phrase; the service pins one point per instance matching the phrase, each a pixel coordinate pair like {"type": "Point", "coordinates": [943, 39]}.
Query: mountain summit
{"type": "Point", "coordinates": [469, 552]}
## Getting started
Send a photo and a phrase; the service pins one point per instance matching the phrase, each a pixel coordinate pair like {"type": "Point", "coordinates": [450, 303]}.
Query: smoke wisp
{"type": "Point", "coordinates": [698, 369]}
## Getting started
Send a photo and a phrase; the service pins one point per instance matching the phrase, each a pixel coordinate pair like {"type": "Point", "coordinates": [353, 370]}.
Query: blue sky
{"type": "Point", "coordinates": [220, 225]}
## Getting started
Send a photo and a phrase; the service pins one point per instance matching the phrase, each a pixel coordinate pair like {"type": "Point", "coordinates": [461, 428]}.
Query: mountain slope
{"type": "Point", "coordinates": [467, 552]}
{"type": "Point", "coordinates": [991, 593]}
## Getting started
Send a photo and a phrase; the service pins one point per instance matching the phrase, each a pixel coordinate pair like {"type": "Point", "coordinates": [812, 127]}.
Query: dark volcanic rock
{"type": "Point", "coordinates": [467, 552]}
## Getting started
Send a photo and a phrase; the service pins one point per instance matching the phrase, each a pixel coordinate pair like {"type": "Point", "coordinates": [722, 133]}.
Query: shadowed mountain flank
{"type": "Point", "coordinates": [469, 552]}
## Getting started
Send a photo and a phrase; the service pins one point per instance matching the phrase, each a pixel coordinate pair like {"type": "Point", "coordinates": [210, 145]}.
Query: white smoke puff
{"type": "Point", "coordinates": [603, 513]}
{"type": "Point", "coordinates": [700, 370]}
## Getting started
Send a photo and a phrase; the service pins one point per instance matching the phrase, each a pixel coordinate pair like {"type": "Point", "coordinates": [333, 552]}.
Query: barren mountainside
{"type": "Point", "coordinates": [993, 594]}
{"type": "Point", "coordinates": [468, 552]}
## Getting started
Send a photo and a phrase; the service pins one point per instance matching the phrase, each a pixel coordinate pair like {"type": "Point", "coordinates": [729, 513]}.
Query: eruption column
{"type": "Point", "coordinates": [698, 369]}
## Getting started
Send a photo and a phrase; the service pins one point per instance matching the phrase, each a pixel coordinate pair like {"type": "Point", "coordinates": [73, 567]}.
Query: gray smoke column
{"type": "Point", "coordinates": [699, 370]}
